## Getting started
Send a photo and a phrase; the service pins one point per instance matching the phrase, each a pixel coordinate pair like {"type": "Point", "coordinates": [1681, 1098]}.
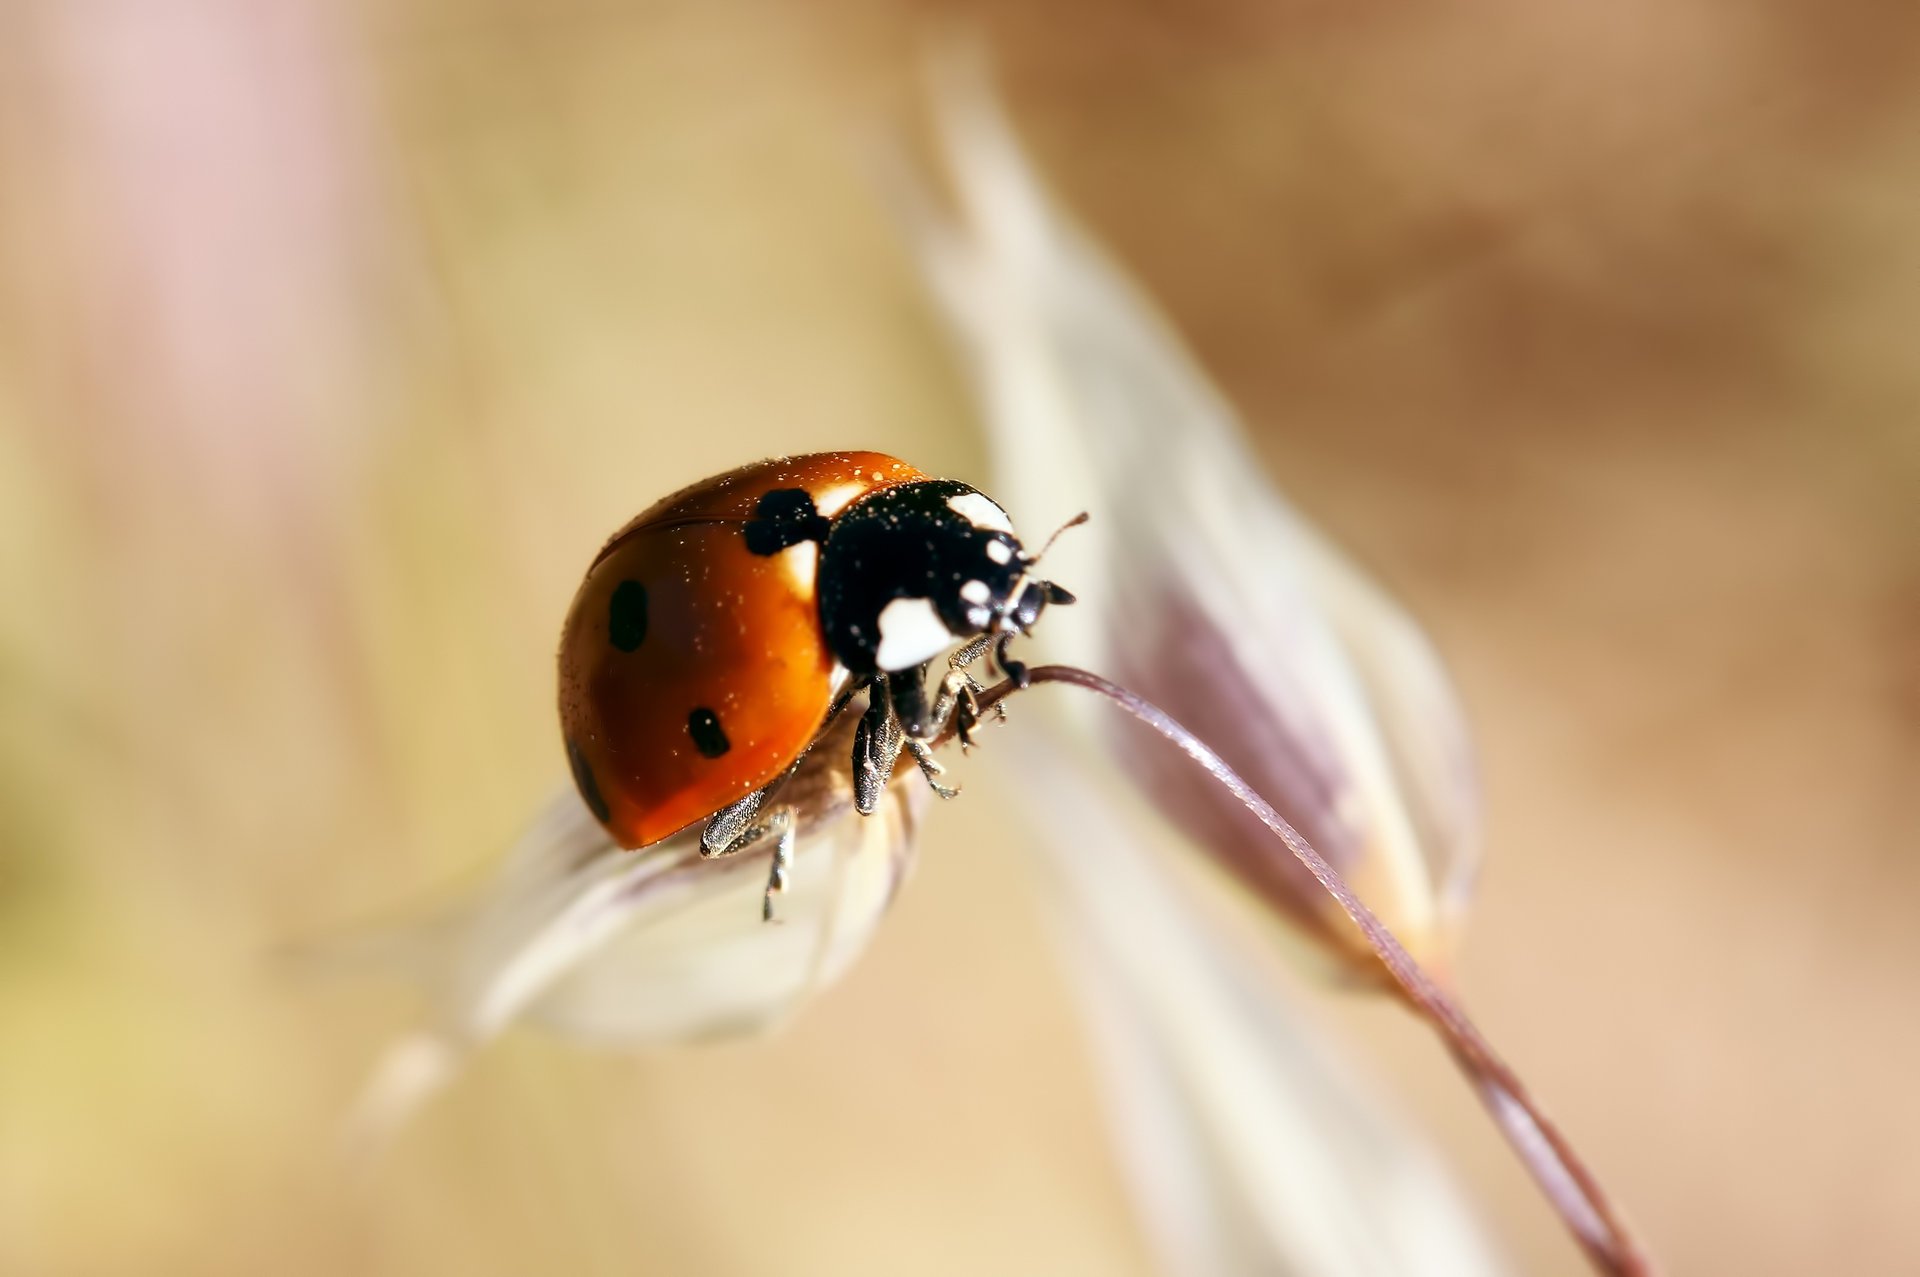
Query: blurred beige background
{"type": "Point", "coordinates": [332, 341]}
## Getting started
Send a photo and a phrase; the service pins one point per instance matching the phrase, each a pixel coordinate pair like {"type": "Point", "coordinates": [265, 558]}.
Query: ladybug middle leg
{"type": "Point", "coordinates": [897, 718]}
{"type": "Point", "coordinates": [876, 747]}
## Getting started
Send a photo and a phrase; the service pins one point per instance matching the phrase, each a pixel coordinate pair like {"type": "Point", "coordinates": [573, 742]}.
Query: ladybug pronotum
{"type": "Point", "coordinates": [718, 633]}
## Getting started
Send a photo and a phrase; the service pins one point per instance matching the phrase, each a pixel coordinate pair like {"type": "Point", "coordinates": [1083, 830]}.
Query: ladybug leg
{"type": "Point", "coordinates": [973, 651]}
{"type": "Point", "coordinates": [908, 692]}
{"type": "Point", "coordinates": [782, 826]}
{"type": "Point", "coordinates": [731, 828]}
{"type": "Point", "coordinates": [736, 827]}
{"type": "Point", "coordinates": [920, 722]}
{"type": "Point", "coordinates": [959, 701]}
{"type": "Point", "coordinates": [960, 693]}
{"type": "Point", "coordinates": [930, 768]}
{"type": "Point", "coordinates": [876, 747]}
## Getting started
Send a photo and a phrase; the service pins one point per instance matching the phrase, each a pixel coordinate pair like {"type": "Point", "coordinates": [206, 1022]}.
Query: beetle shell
{"type": "Point", "coordinates": [693, 669]}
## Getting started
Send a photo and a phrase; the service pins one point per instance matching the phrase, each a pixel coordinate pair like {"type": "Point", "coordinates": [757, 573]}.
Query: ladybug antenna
{"type": "Point", "coordinates": [1074, 522]}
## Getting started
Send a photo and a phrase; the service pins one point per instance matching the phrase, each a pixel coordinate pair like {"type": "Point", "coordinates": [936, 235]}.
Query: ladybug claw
{"type": "Point", "coordinates": [969, 737]}
{"type": "Point", "coordinates": [966, 719]}
{"type": "Point", "coordinates": [930, 768]}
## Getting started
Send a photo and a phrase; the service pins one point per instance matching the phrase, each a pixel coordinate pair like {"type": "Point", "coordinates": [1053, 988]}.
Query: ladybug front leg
{"type": "Point", "coordinates": [959, 697]}
{"type": "Point", "coordinates": [958, 702]}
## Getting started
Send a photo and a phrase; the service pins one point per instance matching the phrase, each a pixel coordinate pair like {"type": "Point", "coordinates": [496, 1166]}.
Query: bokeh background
{"type": "Point", "coordinates": [333, 338]}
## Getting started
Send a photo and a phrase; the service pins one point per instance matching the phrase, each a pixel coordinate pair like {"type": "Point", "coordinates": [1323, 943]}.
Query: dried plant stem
{"type": "Point", "coordinates": [1562, 1177]}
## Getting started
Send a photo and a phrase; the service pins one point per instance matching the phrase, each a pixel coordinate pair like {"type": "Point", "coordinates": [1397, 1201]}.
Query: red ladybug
{"type": "Point", "coordinates": [717, 634]}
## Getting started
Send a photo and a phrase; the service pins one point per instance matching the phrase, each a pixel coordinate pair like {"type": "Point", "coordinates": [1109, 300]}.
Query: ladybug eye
{"type": "Point", "coordinates": [1033, 600]}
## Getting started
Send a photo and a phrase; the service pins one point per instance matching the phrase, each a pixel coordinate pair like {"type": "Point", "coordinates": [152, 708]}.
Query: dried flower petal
{"type": "Point", "coordinates": [1252, 1145]}
{"type": "Point", "coordinates": [1201, 589]}
{"type": "Point", "coordinates": [1212, 598]}
{"type": "Point", "coordinates": [651, 947]}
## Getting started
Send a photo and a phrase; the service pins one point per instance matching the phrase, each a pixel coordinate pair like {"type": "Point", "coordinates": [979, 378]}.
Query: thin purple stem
{"type": "Point", "coordinates": [1563, 1178]}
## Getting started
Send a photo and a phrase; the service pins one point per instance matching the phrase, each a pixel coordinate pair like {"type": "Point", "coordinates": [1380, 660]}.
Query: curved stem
{"type": "Point", "coordinates": [1563, 1178]}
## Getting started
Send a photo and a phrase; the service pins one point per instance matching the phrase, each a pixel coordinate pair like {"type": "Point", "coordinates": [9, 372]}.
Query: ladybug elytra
{"type": "Point", "coordinates": [717, 634]}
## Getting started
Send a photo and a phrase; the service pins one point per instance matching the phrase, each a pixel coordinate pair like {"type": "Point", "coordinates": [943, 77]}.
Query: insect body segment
{"type": "Point", "coordinates": [717, 634]}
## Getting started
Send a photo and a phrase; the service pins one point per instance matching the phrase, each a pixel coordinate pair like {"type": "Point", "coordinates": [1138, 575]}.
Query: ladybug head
{"type": "Point", "coordinates": [1013, 595]}
{"type": "Point", "coordinates": [909, 572]}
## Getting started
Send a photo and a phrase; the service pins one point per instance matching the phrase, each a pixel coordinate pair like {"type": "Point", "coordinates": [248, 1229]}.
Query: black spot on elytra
{"type": "Point", "coordinates": [784, 517]}
{"type": "Point", "coordinates": [588, 786]}
{"type": "Point", "coordinates": [627, 616]}
{"type": "Point", "coordinates": [704, 726]}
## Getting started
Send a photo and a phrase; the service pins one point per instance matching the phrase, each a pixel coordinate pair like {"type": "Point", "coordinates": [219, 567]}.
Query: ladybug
{"type": "Point", "coordinates": [718, 634]}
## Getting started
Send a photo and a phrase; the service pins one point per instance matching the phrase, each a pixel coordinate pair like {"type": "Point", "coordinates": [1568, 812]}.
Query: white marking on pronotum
{"type": "Point", "coordinates": [910, 632]}
{"type": "Point", "coordinates": [999, 552]}
{"type": "Point", "coordinates": [979, 509]}
{"type": "Point", "coordinates": [976, 592]}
